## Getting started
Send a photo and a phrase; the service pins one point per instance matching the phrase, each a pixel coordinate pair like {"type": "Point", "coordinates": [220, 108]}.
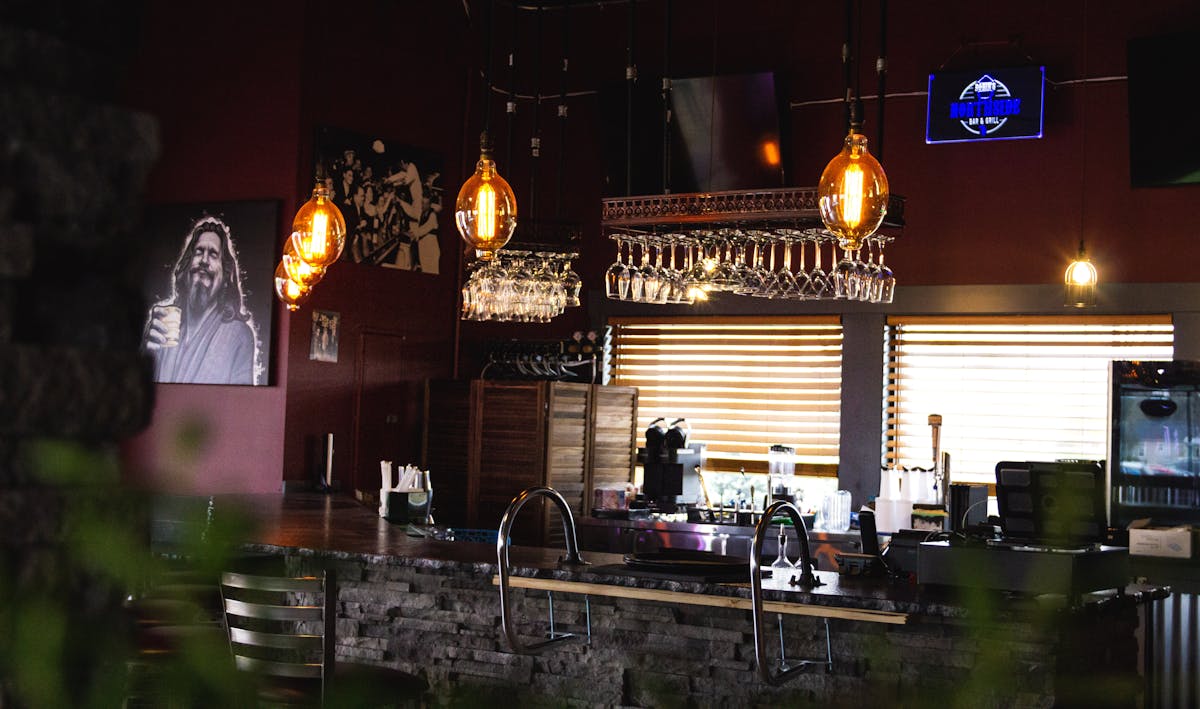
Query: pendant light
{"type": "Point", "coordinates": [1081, 279]}
{"type": "Point", "coordinates": [486, 209]}
{"type": "Point", "coordinates": [853, 191]}
{"type": "Point", "coordinates": [289, 292]}
{"type": "Point", "coordinates": [299, 270]}
{"type": "Point", "coordinates": [319, 230]}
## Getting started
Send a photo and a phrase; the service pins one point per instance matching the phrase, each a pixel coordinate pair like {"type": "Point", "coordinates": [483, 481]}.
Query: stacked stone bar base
{"type": "Point", "coordinates": [442, 622]}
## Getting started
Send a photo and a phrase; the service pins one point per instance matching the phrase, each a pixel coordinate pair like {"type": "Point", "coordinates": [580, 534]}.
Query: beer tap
{"type": "Point", "coordinates": [939, 471]}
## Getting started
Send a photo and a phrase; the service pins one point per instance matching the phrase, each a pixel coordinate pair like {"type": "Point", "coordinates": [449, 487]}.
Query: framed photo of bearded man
{"type": "Point", "coordinates": [208, 287]}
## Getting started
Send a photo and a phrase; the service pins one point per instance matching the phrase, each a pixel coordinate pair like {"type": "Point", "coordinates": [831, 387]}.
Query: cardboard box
{"type": "Point", "coordinates": [1172, 542]}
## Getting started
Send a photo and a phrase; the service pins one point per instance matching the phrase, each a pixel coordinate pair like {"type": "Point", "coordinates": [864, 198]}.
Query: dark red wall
{"type": "Point", "coordinates": [240, 87]}
{"type": "Point", "coordinates": [222, 80]}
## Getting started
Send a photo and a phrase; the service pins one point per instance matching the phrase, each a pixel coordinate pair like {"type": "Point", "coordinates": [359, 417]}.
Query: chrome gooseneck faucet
{"type": "Point", "coordinates": [572, 557]}
{"type": "Point", "coordinates": [806, 580]}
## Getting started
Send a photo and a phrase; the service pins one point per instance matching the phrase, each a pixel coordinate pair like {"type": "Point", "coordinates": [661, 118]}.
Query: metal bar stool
{"type": "Point", "coordinates": [282, 631]}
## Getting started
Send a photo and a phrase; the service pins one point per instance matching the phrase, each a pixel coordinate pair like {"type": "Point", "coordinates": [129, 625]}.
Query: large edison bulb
{"type": "Point", "coordinates": [288, 291]}
{"type": "Point", "coordinates": [853, 193]}
{"type": "Point", "coordinates": [299, 270]}
{"type": "Point", "coordinates": [319, 230]}
{"type": "Point", "coordinates": [1081, 279]}
{"type": "Point", "coordinates": [486, 209]}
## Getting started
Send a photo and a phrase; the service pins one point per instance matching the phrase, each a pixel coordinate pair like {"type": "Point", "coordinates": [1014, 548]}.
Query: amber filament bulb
{"type": "Point", "coordinates": [299, 270]}
{"type": "Point", "coordinates": [319, 230]}
{"type": "Point", "coordinates": [486, 208]}
{"type": "Point", "coordinates": [853, 193]}
{"type": "Point", "coordinates": [289, 292]}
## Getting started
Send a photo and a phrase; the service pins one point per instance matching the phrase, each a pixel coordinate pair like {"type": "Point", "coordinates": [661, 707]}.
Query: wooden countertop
{"type": "Point", "coordinates": [339, 527]}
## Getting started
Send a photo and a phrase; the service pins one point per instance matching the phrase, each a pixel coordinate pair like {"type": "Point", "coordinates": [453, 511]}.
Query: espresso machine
{"type": "Point", "coordinates": [670, 466]}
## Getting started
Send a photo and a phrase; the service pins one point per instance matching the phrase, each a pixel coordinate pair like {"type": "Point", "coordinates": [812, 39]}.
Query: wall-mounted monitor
{"type": "Point", "coordinates": [1164, 149]}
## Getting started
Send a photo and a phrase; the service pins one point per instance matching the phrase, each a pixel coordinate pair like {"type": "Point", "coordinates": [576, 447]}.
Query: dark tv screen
{"type": "Point", "coordinates": [1164, 149]}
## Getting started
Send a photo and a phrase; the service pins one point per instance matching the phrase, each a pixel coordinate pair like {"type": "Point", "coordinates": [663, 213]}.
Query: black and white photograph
{"type": "Point", "coordinates": [208, 280]}
{"type": "Point", "coordinates": [325, 331]}
{"type": "Point", "coordinates": [391, 196]}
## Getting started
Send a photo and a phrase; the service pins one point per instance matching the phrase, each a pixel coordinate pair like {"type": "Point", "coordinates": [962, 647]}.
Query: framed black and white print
{"type": "Point", "coordinates": [326, 325]}
{"type": "Point", "coordinates": [209, 286]}
{"type": "Point", "coordinates": [391, 197]}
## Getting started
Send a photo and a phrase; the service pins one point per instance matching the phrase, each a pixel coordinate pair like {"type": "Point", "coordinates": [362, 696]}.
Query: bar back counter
{"type": "Point", "coordinates": [431, 607]}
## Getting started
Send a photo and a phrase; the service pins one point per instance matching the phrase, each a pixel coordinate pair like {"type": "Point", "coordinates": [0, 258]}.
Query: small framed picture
{"type": "Point", "coordinates": [324, 345]}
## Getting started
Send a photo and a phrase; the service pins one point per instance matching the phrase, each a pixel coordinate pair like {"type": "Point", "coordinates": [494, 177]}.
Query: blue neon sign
{"type": "Point", "coordinates": [991, 104]}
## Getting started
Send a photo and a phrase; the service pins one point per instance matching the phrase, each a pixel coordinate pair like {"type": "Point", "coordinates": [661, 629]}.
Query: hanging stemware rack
{"type": "Point", "coordinates": [768, 243]}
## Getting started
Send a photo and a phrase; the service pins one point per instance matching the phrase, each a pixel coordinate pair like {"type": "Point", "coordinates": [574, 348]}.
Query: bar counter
{"type": "Point", "coordinates": [431, 607]}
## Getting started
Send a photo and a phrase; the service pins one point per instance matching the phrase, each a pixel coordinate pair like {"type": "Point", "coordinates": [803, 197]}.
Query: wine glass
{"type": "Point", "coordinates": [749, 267]}
{"type": "Point", "coordinates": [782, 567]}
{"type": "Point", "coordinates": [663, 277]}
{"type": "Point", "coordinates": [887, 287]}
{"type": "Point", "coordinates": [571, 283]}
{"type": "Point", "coordinates": [868, 275]}
{"type": "Point", "coordinates": [783, 281]}
{"type": "Point", "coordinates": [767, 269]}
{"type": "Point", "coordinates": [818, 277]}
{"type": "Point", "coordinates": [803, 280]}
{"type": "Point", "coordinates": [617, 273]}
{"type": "Point", "coordinates": [637, 282]}
{"type": "Point", "coordinates": [844, 284]}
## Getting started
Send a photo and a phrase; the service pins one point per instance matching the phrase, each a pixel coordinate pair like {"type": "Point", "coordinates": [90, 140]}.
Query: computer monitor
{"type": "Point", "coordinates": [1053, 504]}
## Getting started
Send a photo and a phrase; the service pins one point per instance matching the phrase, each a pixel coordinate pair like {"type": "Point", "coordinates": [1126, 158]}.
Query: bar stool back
{"type": "Point", "coordinates": [282, 630]}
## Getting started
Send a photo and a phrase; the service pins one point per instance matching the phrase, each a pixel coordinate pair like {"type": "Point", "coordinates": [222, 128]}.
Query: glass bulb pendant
{"type": "Point", "coordinates": [853, 193]}
{"type": "Point", "coordinates": [299, 270]}
{"type": "Point", "coordinates": [1081, 279]}
{"type": "Point", "coordinates": [486, 209]}
{"type": "Point", "coordinates": [289, 292]}
{"type": "Point", "coordinates": [319, 230]}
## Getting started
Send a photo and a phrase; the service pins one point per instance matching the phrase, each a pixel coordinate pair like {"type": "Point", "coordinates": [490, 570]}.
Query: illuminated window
{"type": "Point", "coordinates": [743, 384]}
{"type": "Point", "coordinates": [1008, 388]}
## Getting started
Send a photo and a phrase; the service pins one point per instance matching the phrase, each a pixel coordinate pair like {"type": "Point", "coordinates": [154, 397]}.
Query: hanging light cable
{"type": "Point", "coordinates": [666, 101]}
{"type": "Point", "coordinates": [853, 190]}
{"type": "Point", "coordinates": [1081, 277]}
{"type": "Point", "coordinates": [562, 113]}
{"type": "Point", "coordinates": [535, 137]}
{"type": "Point", "coordinates": [486, 208]}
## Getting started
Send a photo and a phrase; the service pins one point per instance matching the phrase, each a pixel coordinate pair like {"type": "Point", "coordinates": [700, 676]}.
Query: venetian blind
{"type": "Point", "coordinates": [743, 384]}
{"type": "Point", "coordinates": [1025, 388]}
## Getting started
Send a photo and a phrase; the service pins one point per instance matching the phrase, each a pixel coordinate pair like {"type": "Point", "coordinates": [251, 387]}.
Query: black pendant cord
{"type": "Point", "coordinates": [630, 79]}
{"type": "Point", "coordinates": [881, 70]}
{"type": "Point", "coordinates": [666, 100]}
{"type": "Point", "coordinates": [858, 112]}
{"type": "Point", "coordinates": [510, 104]}
{"type": "Point", "coordinates": [535, 139]}
{"type": "Point", "coordinates": [847, 60]}
{"type": "Point", "coordinates": [487, 70]}
{"type": "Point", "coordinates": [712, 99]}
{"type": "Point", "coordinates": [562, 113]}
{"type": "Point", "coordinates": [1083, 133]}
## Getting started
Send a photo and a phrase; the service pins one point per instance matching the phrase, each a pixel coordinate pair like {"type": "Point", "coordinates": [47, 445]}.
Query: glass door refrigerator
{"type": "Point", "coordinates": [1154, 461]}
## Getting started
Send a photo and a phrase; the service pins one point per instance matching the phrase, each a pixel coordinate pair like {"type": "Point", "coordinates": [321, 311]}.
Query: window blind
{"type": "Point", "coordinates": [743, 384]}
{"type": "Point", "coordinates": [1008, 388]}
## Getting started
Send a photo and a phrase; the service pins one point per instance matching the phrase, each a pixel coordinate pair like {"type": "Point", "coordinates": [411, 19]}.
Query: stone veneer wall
{"type": "Point", "coordinates": [72, 381]}
{"type": "Point", "coordinates": [445, 626]}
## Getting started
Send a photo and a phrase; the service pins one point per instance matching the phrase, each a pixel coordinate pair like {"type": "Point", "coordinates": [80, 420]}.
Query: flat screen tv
{"type": "Point", "coordinates": [1164, 149]}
